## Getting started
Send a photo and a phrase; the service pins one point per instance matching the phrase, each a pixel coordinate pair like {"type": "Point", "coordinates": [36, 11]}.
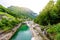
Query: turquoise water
{"type": "Point", "coordinates": [23, 33]}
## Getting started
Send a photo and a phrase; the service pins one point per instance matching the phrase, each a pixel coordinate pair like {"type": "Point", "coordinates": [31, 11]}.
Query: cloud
{"type": "Point", "coordinates": [35, 5]}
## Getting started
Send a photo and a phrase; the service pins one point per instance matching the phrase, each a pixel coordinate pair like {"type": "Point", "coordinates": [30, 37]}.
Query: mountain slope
{"type": "Point", "coordinates": [22, 12]}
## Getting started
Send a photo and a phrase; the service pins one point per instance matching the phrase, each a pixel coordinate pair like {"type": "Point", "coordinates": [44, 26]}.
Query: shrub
{"type": "Point", "coordinates": [57, 37]}
{"type": "Point", "coordinates": [54, 29]}
{"type": "Point", "coordinates": [1, 24]}
{"type": "Point", "coordinates": [8, 22]}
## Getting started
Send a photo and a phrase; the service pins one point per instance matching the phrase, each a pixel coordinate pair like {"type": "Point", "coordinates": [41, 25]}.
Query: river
{"type": "Point", "coordinates": [23, 33]}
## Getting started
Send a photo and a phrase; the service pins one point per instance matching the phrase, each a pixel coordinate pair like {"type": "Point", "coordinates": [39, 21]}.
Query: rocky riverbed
{"type": "Point", "coordinates": [36, 31]}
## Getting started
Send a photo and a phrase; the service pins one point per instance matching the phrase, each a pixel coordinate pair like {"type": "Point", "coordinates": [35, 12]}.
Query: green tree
{"type": "Point", "coordinates": [44, 16]}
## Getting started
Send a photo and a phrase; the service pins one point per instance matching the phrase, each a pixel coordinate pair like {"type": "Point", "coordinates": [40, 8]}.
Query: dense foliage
{"type": "Point", "coordinates": [44, 17]}
{"type": "Point", "coordinates": [50, 14]}
{"type": "Point", "coordinates": [2, 9]}
{"type": "Point", "coordinates": [49, 18]}
{"type": "Point", "coordinates": [7, 21]}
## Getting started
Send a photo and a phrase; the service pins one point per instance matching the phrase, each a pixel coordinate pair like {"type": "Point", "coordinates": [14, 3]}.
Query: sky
{"type": "Point", "coordinates": [35, 5]}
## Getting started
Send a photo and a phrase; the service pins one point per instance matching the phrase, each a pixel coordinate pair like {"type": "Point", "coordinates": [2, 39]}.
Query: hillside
{"type": "Point", "coordinates": [22, 12]}
{"type": "Point", "coordinates": [7, 21]}
{"type": "Point", "coordinates": [49, 20]}
{"type": "Point", "coordinates": [11, 16]}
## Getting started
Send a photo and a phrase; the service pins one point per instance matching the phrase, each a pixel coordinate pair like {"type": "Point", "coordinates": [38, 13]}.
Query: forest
{"type": "Point", "coordinates": [49, 19]}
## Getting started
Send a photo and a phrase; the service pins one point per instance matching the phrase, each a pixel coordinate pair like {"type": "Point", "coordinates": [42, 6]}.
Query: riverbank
{"type": "Point", "coordinates": [7, 36]}
{"type": "Point", "coordinates": [37, 34]}
{"type": "Point", "coordinates": [23, 33]}
{"type": "Point", "coordinates": [36, 31]}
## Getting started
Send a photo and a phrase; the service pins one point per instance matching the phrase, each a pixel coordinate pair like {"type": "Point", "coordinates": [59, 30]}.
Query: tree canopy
{"type": "Point", "coordinates": [50, 14]}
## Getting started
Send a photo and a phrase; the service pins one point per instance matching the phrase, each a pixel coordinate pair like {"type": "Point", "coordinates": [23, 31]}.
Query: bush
{"type": "Point", "coordinates": [1, 24]}
{"type": "Point", "coordinates": [57, 37]}
{"type": "Point", "coordinates": [4, 21]}
{"type": "Point", "coordinates": [51, 30]}
{"type": "Point", "coordinates": [54, 29]}
{"type": "Point", "coordinates": [8, 22]}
